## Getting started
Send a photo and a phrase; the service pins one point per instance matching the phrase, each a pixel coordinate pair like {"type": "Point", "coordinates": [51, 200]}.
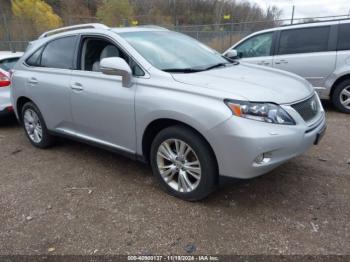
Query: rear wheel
{"type": "Point", "coordinates": [184, 163]}
{"type": "Point", "coordinates": [341, 96]}
{"type": "Point", "coordinates": [35, 127]}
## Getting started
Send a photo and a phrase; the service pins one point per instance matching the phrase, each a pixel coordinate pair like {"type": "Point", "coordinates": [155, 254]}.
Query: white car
{"type": "Point", "coordinates": [7, 62]}
{"type": "Point", "coordinates": [318, 52]}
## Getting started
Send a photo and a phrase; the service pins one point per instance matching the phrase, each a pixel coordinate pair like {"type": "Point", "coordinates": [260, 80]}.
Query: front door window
{"type": "Point", "coordinates": [256, 46]}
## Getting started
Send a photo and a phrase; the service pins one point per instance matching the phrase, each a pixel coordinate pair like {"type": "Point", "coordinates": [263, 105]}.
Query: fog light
{"type": "Point", "coordinates": [259, 159]}
{"type": "Point", "coordinates": [263, 158]}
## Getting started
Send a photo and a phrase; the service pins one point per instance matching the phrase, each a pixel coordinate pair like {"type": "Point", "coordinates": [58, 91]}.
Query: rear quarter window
{"type": "Point", "coordinates": [35, 59]}
{"type": "Point", "coordinates": [344, 37]}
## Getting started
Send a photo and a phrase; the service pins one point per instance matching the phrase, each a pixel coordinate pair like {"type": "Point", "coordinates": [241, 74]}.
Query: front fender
{"type": "Point", "coordinates": [199, 112]}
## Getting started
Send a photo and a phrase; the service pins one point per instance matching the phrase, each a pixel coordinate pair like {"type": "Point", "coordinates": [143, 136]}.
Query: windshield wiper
{"type": "Point", "coordinates": [193, 70]}
{"type": "Point", "coordinates": [215, 66]}
{"type": "Point", "coordinates": [182, 70]}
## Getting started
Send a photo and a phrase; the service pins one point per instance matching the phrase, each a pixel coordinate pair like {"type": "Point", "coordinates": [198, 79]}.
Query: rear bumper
{"type": "Point", "coordinates": [6, 111]}
{"type": "Point", "coordinates": [238, 142]}
{"type": "Point", "coordinates": [5, 102]}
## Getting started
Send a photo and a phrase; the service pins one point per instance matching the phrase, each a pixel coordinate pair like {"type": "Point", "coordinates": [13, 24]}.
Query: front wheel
{"type": "Point", "coordinates": [184, 163]}
{"type": "Point", "coordinates": [341, 96]}
{"type": "Point", "coordinates": [35, 127]}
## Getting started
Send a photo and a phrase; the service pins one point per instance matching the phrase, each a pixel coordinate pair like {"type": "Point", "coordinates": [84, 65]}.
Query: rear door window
{"type": "Point", "coordinates": [344, 37]}
{"type": "Point", "coordinates": [59, 53]}
{"type": "Point", "coordinates": [8, 64]}
{"type": "Point", "coordinates": [304, 40]}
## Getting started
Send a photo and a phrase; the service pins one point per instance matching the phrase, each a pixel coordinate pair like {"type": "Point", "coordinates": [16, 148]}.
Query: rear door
{"type": "Point", "coordinates": [343, 48]}
{"type": "Point", "coordinates": [47, 80]}
{"type": "Point", "coordinates": [308, 52]}
{"type": "Point", "coordinates": [257, 49]}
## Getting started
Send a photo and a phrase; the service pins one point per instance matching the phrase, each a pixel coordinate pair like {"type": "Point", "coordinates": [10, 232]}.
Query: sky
{"type": "Point", "coordinates": [308, 8]}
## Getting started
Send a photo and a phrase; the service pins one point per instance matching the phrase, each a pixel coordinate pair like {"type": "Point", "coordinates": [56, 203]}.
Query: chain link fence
{"type": "Point", "coordinates": [15, 35]}
{"type": "Point", "coordinates": [222, 36]}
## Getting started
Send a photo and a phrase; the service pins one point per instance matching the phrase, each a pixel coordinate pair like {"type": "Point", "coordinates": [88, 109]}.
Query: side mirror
{"type": "Point", "coordinates": [118, 67]}
{"type": "Point", "coordinates": [232, 54]}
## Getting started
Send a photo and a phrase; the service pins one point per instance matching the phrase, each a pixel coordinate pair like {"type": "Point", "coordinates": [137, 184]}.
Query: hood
{"type": "Point", "coordinates": [255, 83]}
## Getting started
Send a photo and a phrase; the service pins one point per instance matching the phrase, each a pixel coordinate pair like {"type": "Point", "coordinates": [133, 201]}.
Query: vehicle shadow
{"type": "Point", "coordinates": [8, 121]}
{"type": "Point", "coordinates": [276, 190]}
{"type": "Point", "coordinates": [103, 156]}
{"type": "Point", "coordinates": [328, 106]}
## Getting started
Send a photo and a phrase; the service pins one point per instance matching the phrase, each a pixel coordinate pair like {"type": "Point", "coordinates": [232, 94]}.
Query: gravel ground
{"type": "Point", "coordinates": [76, 199]}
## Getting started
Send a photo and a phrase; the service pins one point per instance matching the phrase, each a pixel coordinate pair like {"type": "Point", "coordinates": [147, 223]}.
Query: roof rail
{"type": "Point", "coordinates": [152, 26]}
{"type": "Point", "coordinates": [317, 21]}
{"type": "Point", "coordinates": [72, 28]}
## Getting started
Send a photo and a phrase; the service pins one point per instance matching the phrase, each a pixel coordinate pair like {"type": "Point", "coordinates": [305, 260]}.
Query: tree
{"type": "Point", "coordinates": [70, 15]}
{"type": "Point", "coordinates": [36, 14]}
{"type": "Point", "coordinates": [115, 12]}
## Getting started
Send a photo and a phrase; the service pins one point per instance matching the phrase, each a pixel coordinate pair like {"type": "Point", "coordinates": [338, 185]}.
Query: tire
{"type": "Point", "coordinates": [183, 166]}
{"type": "Point", "coordinates": [342, 93]}
{"type": "Point", "coordinates": [30, 125]}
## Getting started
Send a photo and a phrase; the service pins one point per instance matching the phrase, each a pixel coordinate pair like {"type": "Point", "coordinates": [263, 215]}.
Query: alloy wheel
{"type": "Point", "coordinates": [179, 165]}
{"type": "Point", "coordinates": [33, 125]}
{"type": "Point", "coordinates": [345, 97]}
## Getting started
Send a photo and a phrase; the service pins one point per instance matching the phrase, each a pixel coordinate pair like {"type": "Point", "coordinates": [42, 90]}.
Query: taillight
{"type": "Point", "coordinates": [4, 80]}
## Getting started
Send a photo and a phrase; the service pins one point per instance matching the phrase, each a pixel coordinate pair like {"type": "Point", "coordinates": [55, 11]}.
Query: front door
{"type": "Point", "coordinates": [102, 109]}
{"type": "Point", "coordinates": [257, 49]}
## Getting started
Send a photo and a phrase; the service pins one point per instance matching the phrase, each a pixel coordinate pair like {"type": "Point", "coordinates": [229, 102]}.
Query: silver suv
{"type": "Point", "coordinates": [319, 52]}
{"type": "Point", "coordinates": [164, 98]}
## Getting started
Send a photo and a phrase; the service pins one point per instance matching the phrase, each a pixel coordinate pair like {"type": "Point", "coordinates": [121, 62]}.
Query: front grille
{"type": "Point", "coordinates": [308, 109]}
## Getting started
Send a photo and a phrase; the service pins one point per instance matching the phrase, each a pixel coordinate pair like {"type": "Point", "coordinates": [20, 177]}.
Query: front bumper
{"type": "Point", "coordinates": [238, 142]}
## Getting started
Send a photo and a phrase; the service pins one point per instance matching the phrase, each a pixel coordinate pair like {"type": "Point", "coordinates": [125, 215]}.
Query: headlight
{"type": "Point", "coordinates": [264, 112]}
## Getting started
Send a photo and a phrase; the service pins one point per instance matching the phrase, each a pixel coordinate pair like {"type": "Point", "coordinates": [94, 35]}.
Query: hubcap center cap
{"type": "Point", "coordinates": [179, 162]}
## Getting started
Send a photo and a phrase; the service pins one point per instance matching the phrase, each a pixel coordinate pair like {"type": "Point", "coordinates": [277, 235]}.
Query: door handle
{"type": "Point", "coordinates": [33, 81]}
{"type": "Point", "coordinates": [281, 62]}
{"type": "Point", "coordinates": [263, 63]}
{"type": "Point", "coordinates": [77, 86]}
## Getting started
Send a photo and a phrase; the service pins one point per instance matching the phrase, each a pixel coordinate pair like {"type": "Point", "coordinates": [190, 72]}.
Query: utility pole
{"type": "Point", "coordinates": [175, 13]}
{"type": "Point", "coordinates": [292, 20]}
{"type": "Point", "coordinates": [7, 32]}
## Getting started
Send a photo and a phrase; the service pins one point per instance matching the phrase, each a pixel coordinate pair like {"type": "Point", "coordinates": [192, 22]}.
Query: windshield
{"type": "Point", "coordinates": [171, 51]}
